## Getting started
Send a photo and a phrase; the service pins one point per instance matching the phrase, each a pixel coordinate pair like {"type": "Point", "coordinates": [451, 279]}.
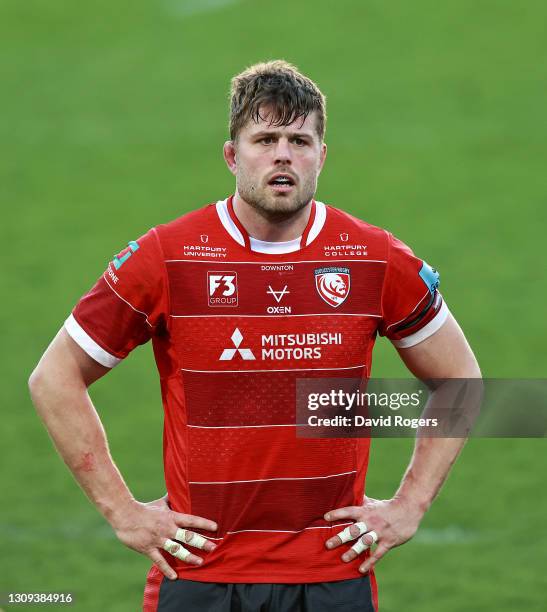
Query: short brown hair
{"type": "Point", "coordinates": [280, 86]}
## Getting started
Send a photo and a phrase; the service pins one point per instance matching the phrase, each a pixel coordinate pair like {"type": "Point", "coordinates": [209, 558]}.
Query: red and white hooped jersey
{"type": "Point", "coordinates": [234, 323]}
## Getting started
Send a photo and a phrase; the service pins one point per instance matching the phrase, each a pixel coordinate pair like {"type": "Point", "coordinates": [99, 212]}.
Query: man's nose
{"type": "Point", "coordinates": [283, 151]}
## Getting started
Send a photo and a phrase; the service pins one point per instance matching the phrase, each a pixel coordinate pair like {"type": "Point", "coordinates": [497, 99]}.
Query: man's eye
{"type": "Point", "coordinates": [266, 140]}
{"type": "Point", "coordinates": [299, 142]}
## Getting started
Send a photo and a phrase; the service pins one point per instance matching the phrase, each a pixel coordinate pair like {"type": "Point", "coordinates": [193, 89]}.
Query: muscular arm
{"type": "Point", "coordinates": [444, 355]}
{"type": "Point", "coordinates": [59, 390]}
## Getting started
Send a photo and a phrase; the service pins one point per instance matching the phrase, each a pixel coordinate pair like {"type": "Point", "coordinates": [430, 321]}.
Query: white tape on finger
{"type": "Point", "coordinates": [176, 549]}
{"type": "Point", "coordinates": [346, 536]}
{"type": "Point", "coordinates": [374, 536]}
{"type": "Point", "coordinates": [362, 526]}
{"type": "Point", "coordinates": [196, 540]}
{"type": "Point", "coordinates": [360, 546]}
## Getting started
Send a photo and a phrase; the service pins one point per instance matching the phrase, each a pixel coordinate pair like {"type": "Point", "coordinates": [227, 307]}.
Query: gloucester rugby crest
{"type": "Point", "coordinates": [333, 285]}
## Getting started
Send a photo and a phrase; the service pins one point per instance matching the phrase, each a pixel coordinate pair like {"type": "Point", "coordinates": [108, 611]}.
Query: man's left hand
{"type": "Point", "coordinates": [390, 523]}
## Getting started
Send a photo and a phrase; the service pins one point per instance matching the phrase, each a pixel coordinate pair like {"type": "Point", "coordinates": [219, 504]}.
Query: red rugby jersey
{"type": "Point", "coordinates": [234, 323]}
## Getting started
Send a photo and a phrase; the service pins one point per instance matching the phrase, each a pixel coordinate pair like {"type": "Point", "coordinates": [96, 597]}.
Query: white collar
{"type": "Point", "coordinates": [272, 248]}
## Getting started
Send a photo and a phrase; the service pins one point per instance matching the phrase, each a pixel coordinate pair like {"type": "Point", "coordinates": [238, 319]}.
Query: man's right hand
{"type": "Point", "coordinates": [146, 527]}
{"type": "Point", "coordinates": [59, 389]}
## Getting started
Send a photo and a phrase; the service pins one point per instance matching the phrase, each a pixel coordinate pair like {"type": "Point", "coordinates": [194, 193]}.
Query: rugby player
{"type": "Point", "coordinates": [242, 298]}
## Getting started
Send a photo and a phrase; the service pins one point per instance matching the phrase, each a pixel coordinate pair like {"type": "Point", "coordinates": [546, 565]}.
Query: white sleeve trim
{"type": "Point", "coordinates": [80, 336]}
{"type": "Point", "coordinates": [428, 330]}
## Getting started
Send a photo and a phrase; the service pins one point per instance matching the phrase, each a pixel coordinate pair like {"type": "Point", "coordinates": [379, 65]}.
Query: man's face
{"type": "Point", "coordinates": [276, 167]}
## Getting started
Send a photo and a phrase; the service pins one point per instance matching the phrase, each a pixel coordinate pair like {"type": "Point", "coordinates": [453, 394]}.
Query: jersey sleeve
{"type": "Point", "coordinates": [412, 307]}
{"type": "Point", "coordinates": [126, 306]}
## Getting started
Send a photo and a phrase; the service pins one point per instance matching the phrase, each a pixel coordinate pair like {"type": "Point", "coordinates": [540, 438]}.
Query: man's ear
{"type": "Point", "coordinates": [323, 156]}
{"type": "Point", "coordinates": [229, 151]}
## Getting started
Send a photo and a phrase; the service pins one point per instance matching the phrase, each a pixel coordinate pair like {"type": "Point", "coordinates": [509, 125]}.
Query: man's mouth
{"type": "Point", "coordinates": [282, 182]}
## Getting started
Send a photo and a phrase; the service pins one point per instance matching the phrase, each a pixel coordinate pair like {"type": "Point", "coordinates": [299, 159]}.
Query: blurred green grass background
{"type": "Point", "coordinates": [112, 120]}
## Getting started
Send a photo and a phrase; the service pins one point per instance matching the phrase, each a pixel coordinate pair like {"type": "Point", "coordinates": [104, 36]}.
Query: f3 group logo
{"type": "Point", "coordinates": [333, 285]}
{"type": "Point", "coordinates": [222, 288]}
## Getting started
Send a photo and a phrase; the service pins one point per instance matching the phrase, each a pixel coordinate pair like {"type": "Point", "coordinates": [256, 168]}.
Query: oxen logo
{"type": "Point", "coordinates": [333, 285]}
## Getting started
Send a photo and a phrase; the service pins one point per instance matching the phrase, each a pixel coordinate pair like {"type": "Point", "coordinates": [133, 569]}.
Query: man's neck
{"type": "Point", "coordinates": [271, 230]}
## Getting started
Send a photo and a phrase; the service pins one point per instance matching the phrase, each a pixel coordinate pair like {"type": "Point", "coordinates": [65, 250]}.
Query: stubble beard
{"type": "Point", "coordinates": [274, 206]}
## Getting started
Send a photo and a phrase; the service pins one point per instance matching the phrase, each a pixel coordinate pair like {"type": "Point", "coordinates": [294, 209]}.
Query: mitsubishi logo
{"type": "Point", "coordinates": [278, 295]}
{"type": "Point", "coordinates": [229, 353]}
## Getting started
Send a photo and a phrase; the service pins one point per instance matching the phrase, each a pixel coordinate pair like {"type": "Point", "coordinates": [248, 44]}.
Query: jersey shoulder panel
{"type": "Point", "coordinates": [127, 305]}
{"type": "Point", "coordinates": [411, 305]}
{"type": "Point", "coordinates": [342, 228]}
{"type": "Point", "coordinates": [345, 222]}
{"type": "Point", "coordinates": [199, 227]}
